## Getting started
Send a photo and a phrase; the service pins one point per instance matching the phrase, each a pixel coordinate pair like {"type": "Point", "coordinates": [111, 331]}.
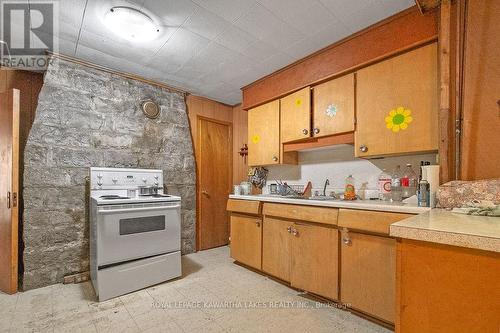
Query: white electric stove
{"type": "Point", "coordinates": [134, 240]}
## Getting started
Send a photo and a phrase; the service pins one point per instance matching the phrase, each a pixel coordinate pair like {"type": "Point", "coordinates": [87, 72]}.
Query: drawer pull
{"type": "Point", "coordinates": [289, 229]}
{"type": "Point", "coordinates": [295, 232]}
{"type": "Point", "coordinates": [257, 223]}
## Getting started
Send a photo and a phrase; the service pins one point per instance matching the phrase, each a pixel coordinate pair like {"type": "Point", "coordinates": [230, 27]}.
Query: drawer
{"type": "Point", "coordinates": [377, 222]}
{"type": "Point", "coordinates": [244, 206]}
{"type": "Point", "coordinates": [302, 213]}
{"type": "Point", "coordinates": [138, 274]}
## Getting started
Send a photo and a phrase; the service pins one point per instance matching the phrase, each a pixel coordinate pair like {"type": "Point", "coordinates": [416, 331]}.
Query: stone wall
{"type": "Point", "coordinates": [85, 118]}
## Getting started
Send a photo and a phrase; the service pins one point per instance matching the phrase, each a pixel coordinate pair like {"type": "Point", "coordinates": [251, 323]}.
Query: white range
{"type": "Point", "coordinates": [135, 240]}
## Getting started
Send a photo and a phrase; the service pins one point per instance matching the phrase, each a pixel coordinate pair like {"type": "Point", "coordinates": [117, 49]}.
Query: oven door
{"type": "Point", "coordinates": [134, 231]}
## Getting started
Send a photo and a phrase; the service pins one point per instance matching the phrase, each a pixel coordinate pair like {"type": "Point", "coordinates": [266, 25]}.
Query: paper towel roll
{"type": "Point", "coordinates": [431, 174]}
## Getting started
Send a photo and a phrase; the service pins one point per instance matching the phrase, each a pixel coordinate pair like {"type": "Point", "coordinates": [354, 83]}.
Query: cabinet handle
{"type": "Point", "coordinates": [363, 148]}
{"type": "Point", "coordinates": [316, 130]}
{"type": "Point", "coordinates": [289, 229]}
{"type": "Point", "coordinates": [304, 131]}
{"type": "Point", "coordinates": [275, 159]}
{"type": "Point", "coordinates": [345, 236]}
{"type": "Point", "coordinates": [295, 232]}
{"type": "Point", "coordinates": [257, 223]}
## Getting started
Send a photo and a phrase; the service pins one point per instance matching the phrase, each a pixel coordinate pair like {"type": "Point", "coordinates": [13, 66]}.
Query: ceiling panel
{"type": "Point", "coordinates": [230, 10]}
{"type": "Point", "coordinates": [214, 47]}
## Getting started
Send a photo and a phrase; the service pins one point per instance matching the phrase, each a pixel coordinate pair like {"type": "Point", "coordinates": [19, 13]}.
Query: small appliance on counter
{"type": "Point", "coordinates": [135, 231]}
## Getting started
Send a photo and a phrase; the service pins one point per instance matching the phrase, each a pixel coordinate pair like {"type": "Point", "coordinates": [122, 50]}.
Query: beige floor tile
{"type": "Point", "coordinates": [214, 295]}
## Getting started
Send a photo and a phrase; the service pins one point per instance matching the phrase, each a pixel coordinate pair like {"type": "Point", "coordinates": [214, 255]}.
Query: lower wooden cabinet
{"type": "Point", "coordinates": [314, 259]}
{"type": "Point", "coordinates": [246, 240]}
{"type": "Point", "coordinates": [276, 241]}
{"type": "Point", "coordinates": [368, 274]}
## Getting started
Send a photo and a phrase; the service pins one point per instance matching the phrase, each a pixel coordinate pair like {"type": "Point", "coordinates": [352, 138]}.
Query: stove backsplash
{"type": "Point", "coordinates": [84, 118]}
{"type": "Point", "coordinates": [338, 162]}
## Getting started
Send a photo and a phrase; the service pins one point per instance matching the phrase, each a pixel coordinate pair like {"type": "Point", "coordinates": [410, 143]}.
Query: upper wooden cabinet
{"type": "Point", "coordinates": [397, 105]}
{"type": "Point", "coordinates": [333, 106]}
{"type": "Point", "coordinates": [296, 116]}
{"type": "Point", "coordinates": [263, 134]}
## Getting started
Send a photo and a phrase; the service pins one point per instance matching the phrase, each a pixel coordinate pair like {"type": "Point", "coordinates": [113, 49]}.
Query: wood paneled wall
{"type": "Point", "coordinates": [240, 138]}
{"type": "Point", "coordinates": [200, 106]}
{"type": "Point", "coordinates": [394, 35]}
{"type": "Point", "coordinates": [29, 84]}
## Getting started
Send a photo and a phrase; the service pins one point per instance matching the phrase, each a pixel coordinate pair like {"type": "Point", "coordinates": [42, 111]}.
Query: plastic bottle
{"type": "Point", "coordinates": [350, 192]}
{"type": "Point", "coordinates": [409, 182]}
{"type": "Point", "coordinates": [396, 193]}
{"type": "Point", "coordinates": [384, 186]}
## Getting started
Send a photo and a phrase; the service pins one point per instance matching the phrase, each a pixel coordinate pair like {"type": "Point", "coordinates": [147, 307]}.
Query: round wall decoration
{"type": "Point", "coordinates": [331, 110]}
{"type": "Point", "coordinates": [150, 109]}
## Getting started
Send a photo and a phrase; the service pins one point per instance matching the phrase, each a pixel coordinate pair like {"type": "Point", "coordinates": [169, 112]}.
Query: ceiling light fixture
{"type": "Point", "coordinates": [131, 24]}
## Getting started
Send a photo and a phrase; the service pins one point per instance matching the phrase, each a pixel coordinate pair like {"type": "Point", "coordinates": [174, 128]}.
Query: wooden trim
{"type": "Point", "coordinates": [425, 6]}
{"type": "Point", "coordinates": [394, 35]}
{"type": "Point", "coordinates": [344, 138]}
{"type": "Point", "coordinates": [115, 72]}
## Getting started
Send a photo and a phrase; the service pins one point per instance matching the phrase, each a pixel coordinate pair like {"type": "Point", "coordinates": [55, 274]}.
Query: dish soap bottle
{"type": "Point", "coordinates": [350, 192]}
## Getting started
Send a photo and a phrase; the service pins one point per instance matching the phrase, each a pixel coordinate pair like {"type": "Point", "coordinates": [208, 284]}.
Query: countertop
{"type": "Point", "coordinates": [375, 205]}
{"type": "Point", "coordinates": [444, 227]}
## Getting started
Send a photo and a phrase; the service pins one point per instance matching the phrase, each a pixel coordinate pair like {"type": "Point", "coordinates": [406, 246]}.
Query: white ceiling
{"type": "Point", "coordinates": [214, 47]}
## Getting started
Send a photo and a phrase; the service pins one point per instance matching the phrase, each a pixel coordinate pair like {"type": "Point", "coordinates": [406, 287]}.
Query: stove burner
{"type": "Point", "coordinates": [112, 197]}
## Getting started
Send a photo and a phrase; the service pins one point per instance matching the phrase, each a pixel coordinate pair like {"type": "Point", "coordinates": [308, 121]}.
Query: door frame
{"type": "Point", "coordinates": [199, 119]}
{"type": "Point", "coordinates": [11, 268]}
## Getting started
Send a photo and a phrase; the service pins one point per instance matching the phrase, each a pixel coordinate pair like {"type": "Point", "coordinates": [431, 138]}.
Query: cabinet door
{"type": "Point", "coordinates": [263, 134]}
{"type": "Point", "coordinates": [276, 247]}
{"type": "Point", "coordinates": [397, 105]}
{"type": "Point", "coordinates": [296, 115]}
{"type": "Point", "coordinates": [333, 106]}
{"type": "Point", "coordinates": [315, 259]}
{"type": "Point", "coordinates": [368, 274]}
{"type": "Point", "coordinates": [246, 240]}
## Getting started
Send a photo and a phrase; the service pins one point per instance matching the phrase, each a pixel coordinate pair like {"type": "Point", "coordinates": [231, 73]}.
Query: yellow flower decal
{"type": "Point", "coordinates": [398, 119]}
{"type": "Point", "coordinates": [255, 139]}
{"type": "Point", "coordinates": [298, 102]}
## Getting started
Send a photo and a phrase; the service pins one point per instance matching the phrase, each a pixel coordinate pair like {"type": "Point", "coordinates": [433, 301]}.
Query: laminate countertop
{"type": "Point", "coordinates": [444, 227]}
{"type": "Point", "coordinates": [375, 205]}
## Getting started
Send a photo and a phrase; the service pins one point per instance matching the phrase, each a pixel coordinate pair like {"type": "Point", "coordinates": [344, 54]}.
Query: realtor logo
{"type": "Point", "coordinates": [28, 31]}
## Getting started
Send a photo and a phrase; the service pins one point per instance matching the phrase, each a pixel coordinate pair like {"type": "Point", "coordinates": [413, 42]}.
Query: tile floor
{"type": "Point", "coordinates": [214, 295]}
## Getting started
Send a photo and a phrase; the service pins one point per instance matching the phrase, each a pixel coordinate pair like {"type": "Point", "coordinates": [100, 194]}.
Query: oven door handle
{"type": "Point", "coordinates": [133, 210]}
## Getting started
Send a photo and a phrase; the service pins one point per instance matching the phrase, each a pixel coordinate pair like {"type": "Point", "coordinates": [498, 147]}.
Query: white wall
{"type": "Point", "coordinates": [336, 164]}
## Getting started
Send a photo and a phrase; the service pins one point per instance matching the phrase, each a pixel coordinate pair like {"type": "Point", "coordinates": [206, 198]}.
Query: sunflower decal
{"type": "Point", "coordinates": [398, 119]}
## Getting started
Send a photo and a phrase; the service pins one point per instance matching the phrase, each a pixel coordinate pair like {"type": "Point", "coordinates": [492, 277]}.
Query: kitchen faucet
{"type": "Point", "coordinates": [327, 182]}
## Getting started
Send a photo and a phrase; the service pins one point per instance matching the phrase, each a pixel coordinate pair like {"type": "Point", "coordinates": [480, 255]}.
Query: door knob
{"type": "Point", "coordinates": [363, 148]}
{"type": "Point", "coordinates": [304, 131]}
{"type": "Point", "coordinates": [275, 159]}
{"type": "Point", "coordinates": [316, 130]}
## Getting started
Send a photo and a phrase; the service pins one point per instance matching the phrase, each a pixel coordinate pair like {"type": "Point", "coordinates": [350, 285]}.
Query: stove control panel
{"type": "Point", "coordinates": [117, 178]}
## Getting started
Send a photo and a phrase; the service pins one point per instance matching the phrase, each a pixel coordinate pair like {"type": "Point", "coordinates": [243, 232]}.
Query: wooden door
{"type": "Point", "coordinates": [9, 189]}
{"type": "Point", "coordinates": [333, 106]}
{"type": "Point", "coordinates": [368, 274]}
{"type": "Point", "coordinates": [480, 157]}
{"type": "Point", "coordinates": [276, 247]}
{"type": "Point", "coordinates": [397, 105]}
{"type": "Point", "coordinates": [296, 116]}
{"type": "Point", "coordinates": [314, 266]}
{"type": "Point", "coordinates": [215, 182]}
{"type": "Point", "coordinates": [263, 134]}
{"type": "Point", "coordinates": [246, 240]}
